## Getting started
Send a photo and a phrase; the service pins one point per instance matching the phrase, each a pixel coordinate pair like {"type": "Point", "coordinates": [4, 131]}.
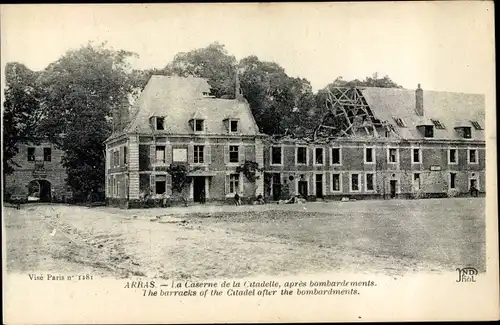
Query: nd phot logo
{"type": "Point", "coordinates": [467, 274]}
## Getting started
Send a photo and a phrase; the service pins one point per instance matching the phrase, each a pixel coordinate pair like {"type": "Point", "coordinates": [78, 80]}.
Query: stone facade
{"type": "Point", "coordinates": [39, 170]}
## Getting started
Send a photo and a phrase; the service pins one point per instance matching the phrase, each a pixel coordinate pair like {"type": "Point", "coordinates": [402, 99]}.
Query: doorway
{"type": "Point", "coordinates": [199, 194]}
{"type": "Point", "coordinates": [276, 185]}
{"type": "Point", "coordinates": [319, 186]}
{"type": "Point", "coordinates": [303, 189]}
{"type": "Point", "coordinates": [393, 185]}
{"type": "Point", "coordinates": [40, 189]}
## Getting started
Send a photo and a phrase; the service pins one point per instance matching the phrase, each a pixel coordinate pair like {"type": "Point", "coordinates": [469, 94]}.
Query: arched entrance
{"type": "Point", "coordinates": [40, 189]}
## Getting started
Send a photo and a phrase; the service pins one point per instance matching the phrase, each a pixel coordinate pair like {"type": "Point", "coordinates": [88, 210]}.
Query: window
{"type": "Point", "coordinates": [125, 155]}
{"type": "Point", "coordinates": [198, 155]}
{"type": "Point", "coordinates": [160, 154]}
{"type": "Point", "coordinates": [198, 125]}
{"type": "Point", "coordinates": [467, 133]}
{"type": "Point", "coordinates": [336, 182]}
{"type": "Point", "coordinates": [369, 155]}
{"type": "Point", "coordinates": [234, 181]}
{"type": "Point", "coordinates": [428, 131]}
{"type": "Point", "coordinates": [233, 126]}
{"type": "Point", "coordinates": [31, 154]}
{"type": "Point", "coordinates": [472, 156]}
{"type": "Point", "coordinates": [47, 154]}
{"type": "Point", "coordinates": [318, 156]}
{"type": "Point", "coordinates": [302, 155]}
{"type": "Point", "coordinates": [354, 182]}
{"type": "Point", "coordinates": [476, 125]}
{"type": "Point", "coordinates": [370, 182]}
{"type": "Point", "coordinates": [452, 156]}
{"type": "Point", "coordinates": [453, 180]}
{"type": "Point", "coordinates": [415, 156]}
{"type": "Point", "coordinates": [161, 184]}
{"type": "Point", "coordinates": [233, 154]}
{"type": "Point", "coordinates": [438, 124]}
{"type": "Point", "coordinates": [160, 123]}
{"type": "Point", "coordinates": [275, 155]}
{"type": "Point", "coordinates": [399, 122]}
{"type": "Point", "coordinates": [116, 158]}
{"type": "Point", "coordinates": [335, 156]}
{"type": "Point", "coordinates": [416, 181]}
{"type": "Point", "coordinates": [393, 155]}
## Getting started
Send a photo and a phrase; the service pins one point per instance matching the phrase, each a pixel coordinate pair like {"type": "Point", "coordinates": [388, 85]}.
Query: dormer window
{"type": "Point", "coordinates": [198, 125]}
{"type": "Point", "coordinates": [464, 132]}
{"type": "Point", "coordinates": [160, 123]}
{"type": "Point", "coordinates": [428, 131]}
{"type": "Point", "coordinates": [233, 126]}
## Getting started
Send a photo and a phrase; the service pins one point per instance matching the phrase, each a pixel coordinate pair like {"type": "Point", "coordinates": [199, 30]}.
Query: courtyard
{"type": "Point", "coordinates": [392, 237]}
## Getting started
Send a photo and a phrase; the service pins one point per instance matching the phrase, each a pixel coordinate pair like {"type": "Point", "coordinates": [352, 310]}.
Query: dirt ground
{"type": "Point", "coordinates": [200, 242]}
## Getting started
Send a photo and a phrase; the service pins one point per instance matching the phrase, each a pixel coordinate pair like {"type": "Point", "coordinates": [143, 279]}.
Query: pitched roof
{"type": "Point", "coordinates": [179, 99]}
{"type": "Point", "coordinates": [451, 109]}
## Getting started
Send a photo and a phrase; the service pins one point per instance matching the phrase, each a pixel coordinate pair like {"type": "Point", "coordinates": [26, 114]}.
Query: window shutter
{"type": "Point", "coordinates": [168, 154]}
{"type": "Point", "coordinates": [207, 154]}
{"type": "Point", "coordinates": [152, 184]}
{"type": "Point", "coordinates": [152, 155]}
{"type": "Point", "coordinates": [169, 185]}
{"type": "Point", "coordinates": [241, 154]}
{"type": "Point", "coordinates": [226, 154]}
{"type": "Point", "coordinates": [227, 184]}
{"type": "Point", "coordinates": [121, 157]}
{"type": "Point", "coordinates": [190, 153]}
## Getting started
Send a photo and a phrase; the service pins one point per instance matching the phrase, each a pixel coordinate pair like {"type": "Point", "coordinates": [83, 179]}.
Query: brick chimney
{"type": "Point", "coordinates": [121, 114]}
{"type": "Point", "coordinates": [419, 101]}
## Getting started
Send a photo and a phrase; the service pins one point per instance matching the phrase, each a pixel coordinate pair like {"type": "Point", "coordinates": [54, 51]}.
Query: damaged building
{"type": "Point", "coordinates": [369, 143]}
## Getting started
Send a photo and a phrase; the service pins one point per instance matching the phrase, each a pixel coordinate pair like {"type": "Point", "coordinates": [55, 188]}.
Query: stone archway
{"type": "Point", "coordinates": [41, 189]}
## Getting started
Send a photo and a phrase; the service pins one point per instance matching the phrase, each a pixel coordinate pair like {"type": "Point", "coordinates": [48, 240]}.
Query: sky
{"type": "Point", "coordinates": [446, 46]}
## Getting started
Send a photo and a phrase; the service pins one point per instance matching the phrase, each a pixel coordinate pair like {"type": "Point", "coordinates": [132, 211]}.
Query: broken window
{"type": "Point", "coordinates": [428, 131]}
{"type": "Point", "coordinates": [393, 155]}
{"type": "Point", "coordinates": [368, 155]}
{"type": "Point", "coordinates": [370, 182]}
{"type": "Point", "coordinates": [399, 122]}
{"type": "Point", "coordinates": [336, 182]}
{"type": "Point", "coordinates": [276, 155]}
{"type": "Point", "coordinates": [302, 155]}
{"type": "Point", "coordinates": [47, 154]}
{"type": "Point", "coordinates": [354, 182]}
{"type": "Point", "coordinates": [160, 123]}
{"type": "Point", "coordinates": [160, 154]}
{"type": "Point", "coordinates": [31, 154]}
{"type": "Point", "coordinates": [233, 154]}
{"type": "Point", "coordinates": [234, 126]}
{"type": "Point", "coordinates": [438, 124]}
{"type": "Point", "coordinates": [416, 156]}
{"type": "Point", "coordinates": [453, 178]}
{"type": "Point", "coordinates": [335, 156]}
{"type": "Point", "coordinates": [467, 132]}
{"type": "Point", "coordinates": [318, 153]}
{"type": "Point", "coordinates": [472, 156]}
{"type": "Point", "coordinates": [198, 154]}
{"type": "Point", "coordinates": [198, 125]}
{"type": "Point", "coordinates": [452, 156]}
{"type": "Point", "coordinates": [476, 125]}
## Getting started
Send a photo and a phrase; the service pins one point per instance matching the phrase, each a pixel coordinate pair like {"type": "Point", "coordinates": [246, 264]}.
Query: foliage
{"type": "Point", "coordinates": [83, 88]}
{"type": "Point", "coordinates": [453, 192]}
{"type": "Point", "coordinates": [180, 178]}
{"type": "Point", "coordinates": [249, 169]}
{"type": "Point", "coordinates": [22, 111]}
{"type": "Point", "coordinates": [373, 81]}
